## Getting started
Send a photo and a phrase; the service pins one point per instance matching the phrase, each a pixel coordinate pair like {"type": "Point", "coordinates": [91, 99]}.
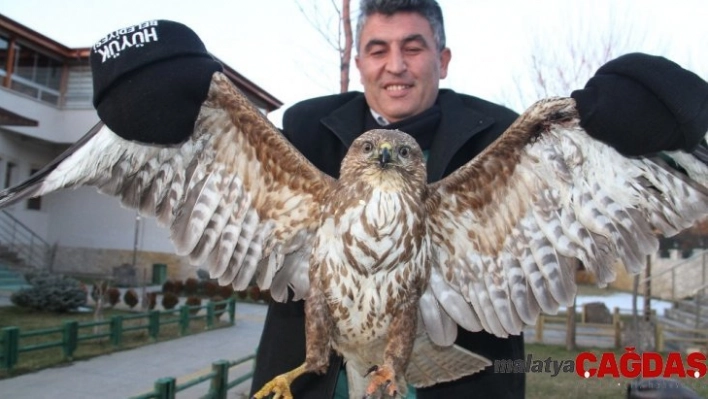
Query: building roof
{"type": "Point", "coordinates": [28, 35]}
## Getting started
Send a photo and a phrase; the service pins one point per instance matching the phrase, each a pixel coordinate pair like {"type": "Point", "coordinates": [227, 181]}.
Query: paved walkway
{"type": "Point", "coordinates": [133, 372]}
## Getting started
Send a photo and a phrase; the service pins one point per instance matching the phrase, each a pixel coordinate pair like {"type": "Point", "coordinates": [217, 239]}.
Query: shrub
{"type": "Point", "coordinates": [193, 301]}
{"type": "Point", "coordinates": [266, 297]}
{"type": "Point", "coordinates": [169, 300]}
{"type": "Point", "coordinates": [130, 298]}
{"type": "Point", "coordinates": [179, 287]}
{"type": "Point", "coordinates": [168, 286]}
{"type": "Point", "coordinates": [226, 291]}
{"type": "Point", "coordinates": [50, 292]}
{"type": "Point", "coordinates": [242, 294]}
{"type": "Point", "coordinates": [152, 300]}
{"type": "Point", "coordinates": [190, 286]}
{"type": "Point", "coordinates": [113, 296]}
{"type": "Point", "coordinates": [254, 292]}
{"type": "Point", "coordinates": [211, 288]}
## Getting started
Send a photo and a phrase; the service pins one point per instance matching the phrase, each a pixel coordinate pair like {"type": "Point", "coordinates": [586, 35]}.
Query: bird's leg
{"type": "Point", "coordinates": [318, 328]}
{"type": "Point", "coordinates": [280, 385]}
{"type": "Point", "coordinates": [399, 346]}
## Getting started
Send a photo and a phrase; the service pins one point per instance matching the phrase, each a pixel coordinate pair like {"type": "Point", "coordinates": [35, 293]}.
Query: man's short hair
{"type": "Point", "coordinates": [428, 9]}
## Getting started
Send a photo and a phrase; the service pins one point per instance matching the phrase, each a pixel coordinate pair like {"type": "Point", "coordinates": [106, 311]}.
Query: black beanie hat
{"type": "Point", "coordinates": [150, 80]}
{"type": "Point", "coordinates": [643, 104]}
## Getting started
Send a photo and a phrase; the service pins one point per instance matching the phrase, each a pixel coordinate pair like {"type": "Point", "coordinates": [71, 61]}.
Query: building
{"type": "Point", "coordinates": [45, 106]}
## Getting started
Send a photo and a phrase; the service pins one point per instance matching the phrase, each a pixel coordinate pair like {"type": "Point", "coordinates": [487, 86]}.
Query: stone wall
{"type": "Point", "coordinates": [92, 262]}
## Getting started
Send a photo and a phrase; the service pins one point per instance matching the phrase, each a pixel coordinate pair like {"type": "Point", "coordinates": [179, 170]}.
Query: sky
{"type": "Point", "coordinates": [272, 42]}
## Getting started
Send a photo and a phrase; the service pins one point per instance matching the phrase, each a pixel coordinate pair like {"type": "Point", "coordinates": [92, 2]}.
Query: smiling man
{"type": "Point", "coordinates": [401, 63]}
{"type": "Point", "coordinates": [401, 58]}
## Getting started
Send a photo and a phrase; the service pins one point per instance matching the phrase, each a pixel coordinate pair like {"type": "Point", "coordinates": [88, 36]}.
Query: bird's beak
{"type": "Point", "coordinates": [384, 154]}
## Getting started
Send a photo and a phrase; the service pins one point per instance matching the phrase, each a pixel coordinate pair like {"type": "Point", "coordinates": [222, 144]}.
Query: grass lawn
{"type": "Point", "coordinates": [28, 320]}
{"type": "Point", "coordinates": [570, 385]}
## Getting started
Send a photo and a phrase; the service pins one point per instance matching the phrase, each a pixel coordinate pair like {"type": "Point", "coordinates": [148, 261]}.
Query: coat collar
{"type": "Point", "coordinates": [458, 123]}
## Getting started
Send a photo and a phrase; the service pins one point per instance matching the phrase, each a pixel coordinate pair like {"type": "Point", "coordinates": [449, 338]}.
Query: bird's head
{"type": "Point", "coordinates": [384, 158]}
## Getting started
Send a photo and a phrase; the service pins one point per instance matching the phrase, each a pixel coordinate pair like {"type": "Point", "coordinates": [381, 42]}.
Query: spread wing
{"type": "Point", "coordinates": [509, 226]}
{"type": "Point", "coordinates": [236, 195]}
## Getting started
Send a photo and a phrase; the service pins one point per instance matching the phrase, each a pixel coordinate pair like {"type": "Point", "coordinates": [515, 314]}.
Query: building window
{"type": "Point", "coordinates": [36, 75]}
{"type": "Point", "coordinates": [4, 43]}
{"type": "Point", "coordinates": [10, 170]}
{"type": "Point", "coordinates": [35, 203]}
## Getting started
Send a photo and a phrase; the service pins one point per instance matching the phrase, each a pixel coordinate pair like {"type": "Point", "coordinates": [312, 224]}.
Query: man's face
{"type": "Point", "coordinates": [400, 65]}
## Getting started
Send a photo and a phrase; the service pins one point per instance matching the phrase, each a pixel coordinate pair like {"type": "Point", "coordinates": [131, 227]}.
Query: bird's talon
{"type": "Point", "coordinates": [382, 380]}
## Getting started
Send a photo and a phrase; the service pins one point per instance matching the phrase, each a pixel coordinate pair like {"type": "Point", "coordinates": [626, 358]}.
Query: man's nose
{"type": "Point", "coordinates": [396, 62]}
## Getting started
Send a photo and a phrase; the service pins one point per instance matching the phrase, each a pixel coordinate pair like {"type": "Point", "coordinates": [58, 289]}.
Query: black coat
{"type": "Point", "coordinates": [322, 129]}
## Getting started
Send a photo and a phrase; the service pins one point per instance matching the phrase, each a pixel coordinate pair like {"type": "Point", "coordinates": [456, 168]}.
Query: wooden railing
{"type": "Point", "coordinates": [167, 388]}
{"type": "Point", "coordinates": [74, 333]}
{"type": "Point", "coordinates": [558, 322]}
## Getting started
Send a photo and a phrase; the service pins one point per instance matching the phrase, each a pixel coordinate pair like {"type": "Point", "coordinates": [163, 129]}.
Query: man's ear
{"type": "Point", "coordinates": [445, 56]}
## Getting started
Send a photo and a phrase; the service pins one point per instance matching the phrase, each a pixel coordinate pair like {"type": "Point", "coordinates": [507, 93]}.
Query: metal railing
{"type": "Point", "coordinates": [20, 241]}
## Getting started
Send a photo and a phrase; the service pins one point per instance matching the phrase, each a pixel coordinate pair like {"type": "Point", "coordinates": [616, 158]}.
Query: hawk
{"type": "Point", "coordinates": [388, 264]}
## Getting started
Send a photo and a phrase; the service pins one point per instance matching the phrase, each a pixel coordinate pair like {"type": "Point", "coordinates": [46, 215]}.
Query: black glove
{"type": "Point", "coordinates": [642, 104]}
{"type": "Point", "coordinates": [150, 80]}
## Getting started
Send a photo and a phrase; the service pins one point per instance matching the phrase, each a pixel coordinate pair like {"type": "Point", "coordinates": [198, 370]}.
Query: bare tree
{"type": "Point", "coordinates": [562, 57]}
{"type": "Point", "coordinates": [340, 37]}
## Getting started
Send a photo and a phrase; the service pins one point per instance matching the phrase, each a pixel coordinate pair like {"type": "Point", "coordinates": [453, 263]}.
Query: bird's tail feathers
{"type": "Point", "coordinates": [431, 364]}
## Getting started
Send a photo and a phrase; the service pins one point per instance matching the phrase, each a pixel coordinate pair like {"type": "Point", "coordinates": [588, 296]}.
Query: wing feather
{"type": "Point", "coordinates": [234, 193]}
{"type": "Point", "coordinates": [509, 227]}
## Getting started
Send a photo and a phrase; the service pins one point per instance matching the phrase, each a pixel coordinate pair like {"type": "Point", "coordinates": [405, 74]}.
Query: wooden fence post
{"type": "Point", "coordinates": [232, 310]}
{"type": "Point", "coordinates": [70, 338]}
{"type": "Point", "coordinates": [539, 328]}
{"type": "Point", "coordinates": [220, 382]}
{"type": "Point", "coordinates": [659, 337]}
{"type": "Point", "coordinates": [117, 331]}
{"type": "Point", "coordinates": [183, 319]}
{"type": "Point", "coordinates": [154, 326]}
{"type": "Point", "coordinates": [210, 314]}
{"type": "Point", "coordinates": [166, 388]}
{"type": "Point", "coordinates": [10, 347]}
{"type": "Point", "coordinates": [617, 324]}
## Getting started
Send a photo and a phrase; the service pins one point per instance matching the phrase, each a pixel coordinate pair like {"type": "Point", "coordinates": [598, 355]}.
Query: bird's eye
{"type": "Point", "coordinates": [404, 151]}
{"type": "Point", "coordinates": [368, 146]}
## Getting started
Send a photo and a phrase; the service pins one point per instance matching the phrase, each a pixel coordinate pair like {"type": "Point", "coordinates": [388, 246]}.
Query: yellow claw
{"type": "Point", "coordinates": [280, 385]}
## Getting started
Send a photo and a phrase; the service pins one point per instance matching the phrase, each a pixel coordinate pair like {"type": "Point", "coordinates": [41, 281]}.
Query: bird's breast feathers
{"type": "Point", "coordinates": [373, 258]}
{"type": "Point", "coordinates": [373, 234]}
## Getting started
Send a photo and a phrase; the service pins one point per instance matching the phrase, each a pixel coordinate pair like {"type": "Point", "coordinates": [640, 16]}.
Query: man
{"type": "Point", "coordinates": [401, 59]}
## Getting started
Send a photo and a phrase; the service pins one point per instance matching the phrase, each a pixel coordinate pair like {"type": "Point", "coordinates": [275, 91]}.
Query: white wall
{"type": "Point", "coordinates": [88, 219]}
{"type": "Point", "coordinates": [55, 125]}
